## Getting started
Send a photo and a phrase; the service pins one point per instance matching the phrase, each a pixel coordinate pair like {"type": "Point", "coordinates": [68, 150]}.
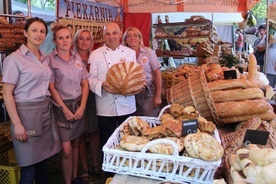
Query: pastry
{"type": "Point", "coordinates": [138, 125]}
{"type": "Point", "coordinates": [154, 132]}
{"type": "Point", "coordinates": [133, 143]}
{"type": "Point", "coordinates": [176, 110]}
{"type": "Point", "coordinates": [167, 149]}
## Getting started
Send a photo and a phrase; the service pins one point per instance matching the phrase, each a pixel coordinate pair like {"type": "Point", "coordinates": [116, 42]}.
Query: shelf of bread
{"type": "Point", "coordinates": [184, 32]}
{"type": "Point", "coordinates": [182, 38]}
{"type": "Point", "coordinates": [193, 20]}
{"type": "Point", "coordinates": [191, 36]}
{"type": "Point", "coordinates": [11, 36]}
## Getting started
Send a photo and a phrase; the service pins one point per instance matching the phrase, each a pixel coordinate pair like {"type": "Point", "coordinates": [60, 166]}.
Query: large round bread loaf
{"type": "Point", "coordinates": [126, 78]}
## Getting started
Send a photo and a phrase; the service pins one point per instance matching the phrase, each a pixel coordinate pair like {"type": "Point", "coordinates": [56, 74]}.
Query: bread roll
{"type": "Point", "coordinates": [154, 132]}
{"type": "Point", "coordinates": [206, 146]}
{"type": "Point", "coordinates": [244, 107]}
{"type": "Point", "coordinates": [125, 130]}
{"type": "Point", "coordinates": [173, 127]}
{"type": "Point", "coordinates": [232, 84]}
{"type": "Point", "coordinates": [252, 124]}
{"type": "Point", "coordinates": [233, 162]}
{"type": "Point", "coordinates": [208, 126]}
{"type": "Point", "coordinates": [188, 146]}
{"type": "Point", "coordinates": [138, 125]}
{"type": "Point", "coordinates": [268, 115]}
{"type": "Point", "coordinates": [268, 175]}
{"type": "Point", "coordinates": [236, 94]}
{"type": "Point", "coordinates": [126, 78]}
{"type": "Point", "coordinates": [237, 177]}
{"type": "Point", "coordinates": [166, 116]}
{"type": "Point", "coordinates": [263, 156]}
{"type": "Point", "coordinates": [133, 143]}
{"type": "Point", "coordinates": [176, 110]}
{"type": "Point", "coordinates": [253, 174]}
{"type": "Point", "coordinates": [167, 149]}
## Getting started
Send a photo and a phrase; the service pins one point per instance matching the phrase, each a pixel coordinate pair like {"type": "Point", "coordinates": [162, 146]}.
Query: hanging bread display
{"type": "Point", "coordinates": [127, 78]}
{"type": "Point", "coordinates": [11, 36]}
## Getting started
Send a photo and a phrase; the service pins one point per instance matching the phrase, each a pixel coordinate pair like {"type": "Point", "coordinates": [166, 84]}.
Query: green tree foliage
{"type": "Point", "coordinates": [44, 4]}
{"type": "Point", "coordinates": [259, 11]}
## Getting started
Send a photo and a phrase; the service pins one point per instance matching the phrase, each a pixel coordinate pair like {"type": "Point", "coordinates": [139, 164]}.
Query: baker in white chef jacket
{"type": "Point", "coordinates": [112, 109]}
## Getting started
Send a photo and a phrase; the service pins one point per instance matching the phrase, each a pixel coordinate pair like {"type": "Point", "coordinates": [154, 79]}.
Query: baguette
{"type": "Point", "coordinates": [252, 67]}
{"type": "Point", "coordinates": [244, 107]}
{"type": "Point", "coordinates": [236, 94]}
{"type": "Point", "coordinates": [232, 84]}
{"type": "Point", "coordinates": [268, 115]}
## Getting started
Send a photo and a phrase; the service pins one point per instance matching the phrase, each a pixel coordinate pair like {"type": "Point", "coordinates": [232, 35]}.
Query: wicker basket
{"type": "Point", "coordinates": [231, 136]}
{"type": "Point", "coordinates": [227, 136]}
{"type": "Point", "coordinates": [174, 167]}
{"type": "Point", "coordinates": [209, 98]}
{"type": "Point", "coordinates": [180, 94]}
{"type": "Point", "coordinates": [194, 92]}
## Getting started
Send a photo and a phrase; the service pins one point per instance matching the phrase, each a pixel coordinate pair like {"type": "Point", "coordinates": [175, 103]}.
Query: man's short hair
{"type": "Point", "coordinates": [17, 12]}
{"type": "Point", "coordinates": [262, 26]}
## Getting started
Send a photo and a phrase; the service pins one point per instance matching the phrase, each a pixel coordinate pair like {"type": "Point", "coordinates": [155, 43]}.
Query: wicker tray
{"type": "Point", "coordinates": [157, 166]}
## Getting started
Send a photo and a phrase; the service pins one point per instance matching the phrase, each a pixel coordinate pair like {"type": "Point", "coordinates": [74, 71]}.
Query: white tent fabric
{"type": "Point", "coordinates": [46, 15]}
{"type": "Point", "coordinates": [217, 18]}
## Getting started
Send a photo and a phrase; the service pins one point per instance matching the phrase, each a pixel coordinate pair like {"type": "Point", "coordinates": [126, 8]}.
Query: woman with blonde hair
{"type": "Point", "coordinates": [69, 89]}
{"type": "Point", "coordinates": [82, 45]}
{"type": "Point", "coordinates": [149, 100]}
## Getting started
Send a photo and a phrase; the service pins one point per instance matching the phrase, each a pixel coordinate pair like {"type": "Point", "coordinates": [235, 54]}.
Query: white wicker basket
{"type": "Point", "coordinates": [157, 166]}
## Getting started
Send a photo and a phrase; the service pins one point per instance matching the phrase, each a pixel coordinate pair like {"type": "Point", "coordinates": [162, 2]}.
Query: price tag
{"type": "Point", "coordinates": [255, 137]}
{"type": "Point", "coordinates": [230, 74]}
{"type": "Point", "coordinates": [189, 127]}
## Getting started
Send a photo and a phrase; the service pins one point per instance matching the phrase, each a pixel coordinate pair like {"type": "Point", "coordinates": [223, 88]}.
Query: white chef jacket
{"type": "Point", "coordinates": [100, 61]}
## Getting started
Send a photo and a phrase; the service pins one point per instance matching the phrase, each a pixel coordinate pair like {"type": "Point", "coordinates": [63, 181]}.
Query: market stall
{"type": "Point", "coordinates": [216, 97]}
